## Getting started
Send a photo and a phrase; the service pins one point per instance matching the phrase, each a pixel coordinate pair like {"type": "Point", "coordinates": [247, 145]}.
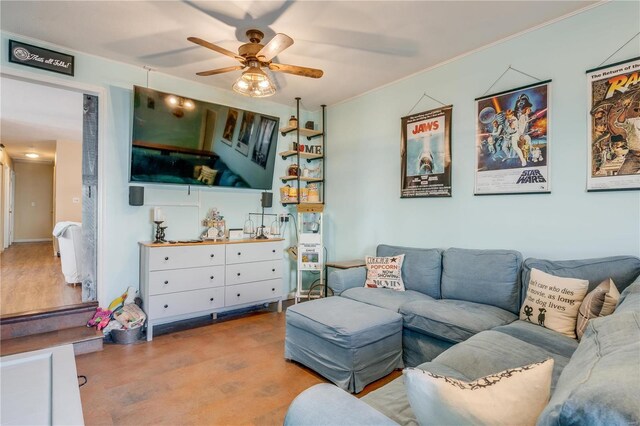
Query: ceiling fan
{"type": "Point", "coordinates": [255, 56]}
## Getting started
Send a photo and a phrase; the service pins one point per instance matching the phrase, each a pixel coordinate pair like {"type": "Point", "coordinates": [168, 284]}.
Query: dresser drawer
{"type": "Point", "coordinates": [185, 256]}
{"type": "Point", "coordinates": [175, 280]}
{"type": "Point", "coordinates": [173, 304]}
{"type": "Point", "coordinates": [253, 252]}
{"type": "Point", "coordinates": [256, 271]}
{"type": "Point", "coordinates": [252, 292]}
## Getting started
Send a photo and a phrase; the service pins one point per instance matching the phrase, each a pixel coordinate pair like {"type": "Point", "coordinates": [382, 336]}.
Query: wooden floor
{"type": "Point", "coordinates": [31, 279]}
{"type": "Point", "coordinates": [229, 373]}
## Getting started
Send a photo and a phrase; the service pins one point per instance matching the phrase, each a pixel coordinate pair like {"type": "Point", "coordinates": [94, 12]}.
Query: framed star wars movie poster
{"type": "Point", "coordinates": [613, 122]}
{"type": "Point", "coordinates": [512, 141]}
{"type": "Point", "coordinates": [426, 154]}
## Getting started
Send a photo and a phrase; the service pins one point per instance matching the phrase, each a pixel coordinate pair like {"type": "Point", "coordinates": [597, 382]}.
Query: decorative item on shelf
{"type": "Point", "coordinates": [284, 193]}
{"type": "Point", "coordinates": [249, 228]}
{"type": "Point", "coordinates": [315, 172]}
{"type": "Point", "coordinates": [293, 194]}
{"type": "Point", "coordinates": [274, 230]}
{"type": "Point", "coordinates": [215, 224]}
{"type": "Point", "coordinates": [236, 234]}
{"type": "Point", "coordinates": [159, 219]}
{"type": "Point", "coordinates": [304, 195]}
{"type": "Point", "coordinates": [293, 121]}
{"type": "Point", "coordinates": [309, 125]}
{"type": "Point", "coordinates": [293, 170]}
{"type": "Point", "coordinates": [314, 194]}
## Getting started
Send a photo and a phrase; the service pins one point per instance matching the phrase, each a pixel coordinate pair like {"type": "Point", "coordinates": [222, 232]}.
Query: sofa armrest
{"type": "Point", "coordinates": [326, 404]}
{"type": "Point", "coordinates": [344, 279]}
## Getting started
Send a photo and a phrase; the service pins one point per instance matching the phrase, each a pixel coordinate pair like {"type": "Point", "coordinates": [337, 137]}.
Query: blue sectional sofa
{"type": "Point", "coordinates": [450, 295]}
{"type": "Point", "coordinates": [467, 328]}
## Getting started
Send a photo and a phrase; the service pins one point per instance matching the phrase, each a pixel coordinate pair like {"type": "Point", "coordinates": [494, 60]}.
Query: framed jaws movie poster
{"type": "Point", "coordinates": [426, 154]}
{"type": "Point", "coordinates": [512, 141]}
{"type": "Point", "coordinates": [614, 126]}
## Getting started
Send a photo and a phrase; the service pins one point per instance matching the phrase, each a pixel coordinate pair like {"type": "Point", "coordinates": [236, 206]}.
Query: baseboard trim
{"type": "Point", "coordinates": [33, 240]}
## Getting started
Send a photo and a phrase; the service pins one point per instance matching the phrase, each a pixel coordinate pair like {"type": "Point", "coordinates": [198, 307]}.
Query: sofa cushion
{"type": "Point", "coordinates": [384, 272]}
{"type": "Point", "coordinates": [452, 320]}
{"type": "Point", "coordinates": [600, 302]}
{"type": "Point", "coordinates": [515, 396]}
{"type": "Point", "coordinates": [599, 383]}
{"type": "Point", "coordinates": [544, 338]}
{"type": "Point", "coordinates": [491, 351]}
{"type": "Point", "coordinates": [622, 269]}
{"type": "Point", "coordinates": [553, 302]}
{"type": "Point", "coordinates": [384, 297]}
{"type": "Point", "coordinates": [352, 324]}
{"type": "Point", "coordinates": [392, 400]}
{"type": "Point", "coordinates": [629, 299]}
{"type": "Point", "coordinates": [421, 270]}
{"type": "Point", "coordinates": [482, 276]}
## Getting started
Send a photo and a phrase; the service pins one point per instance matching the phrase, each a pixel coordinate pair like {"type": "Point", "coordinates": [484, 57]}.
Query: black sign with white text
{"type": "Point", "coordinates": [39, 57]}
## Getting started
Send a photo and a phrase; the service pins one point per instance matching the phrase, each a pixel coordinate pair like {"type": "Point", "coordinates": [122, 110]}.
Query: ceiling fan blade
{"type": "Point", "coordinates": [275, 46]}
{"type": "Point", "coordinates": [213, 47]}
{"type": "Point", "coordinates": [294, 69]}
{"type": "Point", "coordinates": [220, 70]}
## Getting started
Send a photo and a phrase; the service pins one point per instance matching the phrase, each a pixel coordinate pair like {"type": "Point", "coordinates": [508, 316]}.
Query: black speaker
{"type": "Point", "coordinates": [267, 199]}
{"type": "Point", "coordinates": [136, 195]}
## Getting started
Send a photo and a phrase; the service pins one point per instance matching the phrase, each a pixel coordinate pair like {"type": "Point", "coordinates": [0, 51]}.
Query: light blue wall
{"type": "Point", "coordinates": [123, 225]}
{"type": "Point", "coordinates": [363, 168]}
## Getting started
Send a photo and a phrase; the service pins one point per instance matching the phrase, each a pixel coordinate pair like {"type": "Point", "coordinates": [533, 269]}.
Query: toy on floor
{"type": "Point", "coordinates": [100, 319]}
{"type": "Point", "coordinates": [126, 298]}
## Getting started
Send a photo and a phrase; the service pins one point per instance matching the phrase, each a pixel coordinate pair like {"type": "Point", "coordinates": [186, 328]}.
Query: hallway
{"type": "Point", "coordinates": [31, 279]}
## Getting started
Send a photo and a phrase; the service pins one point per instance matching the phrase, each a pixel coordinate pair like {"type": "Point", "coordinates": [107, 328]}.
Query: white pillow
{"type": "Point", "coordinates": [515, 396]}
{"type": "Point", "coordinates": [385, 272]}
{"type": "Point", "coordinates": [553, 302]}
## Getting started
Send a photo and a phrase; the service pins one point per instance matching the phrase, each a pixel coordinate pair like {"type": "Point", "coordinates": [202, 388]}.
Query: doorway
{"type": "Point", "coordinates": [59, 125]}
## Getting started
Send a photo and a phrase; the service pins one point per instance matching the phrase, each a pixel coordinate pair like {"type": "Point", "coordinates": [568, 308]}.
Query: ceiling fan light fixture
{"type": "Point", "coordinates": [254, 73]}
{"type": "Point", "coordinates": [254, 83]}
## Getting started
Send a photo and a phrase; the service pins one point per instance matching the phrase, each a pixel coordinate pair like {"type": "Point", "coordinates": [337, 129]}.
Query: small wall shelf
{"type": "Point", "coordinates": [305, 155]}
{"type": "Point", "coordinates": [308, 133]}
{"type": "Point", "coordinates": [302, 179]}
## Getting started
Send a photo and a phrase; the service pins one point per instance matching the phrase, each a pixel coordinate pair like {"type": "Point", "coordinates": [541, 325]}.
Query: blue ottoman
{"type": "Point", "coordinates": [350, 343]}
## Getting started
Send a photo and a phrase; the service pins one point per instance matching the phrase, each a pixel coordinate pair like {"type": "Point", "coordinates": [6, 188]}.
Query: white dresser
{"type": "Point", "coordinates": [180, 281]}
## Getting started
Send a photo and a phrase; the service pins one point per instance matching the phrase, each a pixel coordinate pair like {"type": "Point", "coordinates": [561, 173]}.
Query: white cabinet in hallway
{"type": "Point", "coordinates": [181, 281]}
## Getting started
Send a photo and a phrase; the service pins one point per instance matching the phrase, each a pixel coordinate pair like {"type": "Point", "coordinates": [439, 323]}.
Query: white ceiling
{"type": "Point", "coordinates": [33, 117]}
{"type": "Point", "coordinates": [360, 45]}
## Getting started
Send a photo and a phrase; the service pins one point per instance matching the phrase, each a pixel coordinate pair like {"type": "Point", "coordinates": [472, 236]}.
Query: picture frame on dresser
{"type": "Point", "coordinates": [188, 280]}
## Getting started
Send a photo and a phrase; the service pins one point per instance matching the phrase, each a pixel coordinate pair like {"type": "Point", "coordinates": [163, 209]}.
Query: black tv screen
{"type": "Point", "coordinates": [180, 140]}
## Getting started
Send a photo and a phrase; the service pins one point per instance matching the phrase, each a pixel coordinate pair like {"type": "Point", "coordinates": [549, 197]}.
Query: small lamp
{"type": "Point", "coordinates": [265, 201]}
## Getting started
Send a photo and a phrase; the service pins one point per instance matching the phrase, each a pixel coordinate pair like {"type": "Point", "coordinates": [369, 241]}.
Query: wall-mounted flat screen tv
{"type": "Point", "coordinates": [180, 140]}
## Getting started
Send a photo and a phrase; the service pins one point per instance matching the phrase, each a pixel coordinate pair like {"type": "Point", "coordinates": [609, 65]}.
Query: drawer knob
{"type": "Point", "coordinates": [273, 251]}
{"type": "Point", "coordinates": [239, 253]}
{"type": "Point", "coordinates": [211, 277]}
{"type": "Point", "coordinates": [273, 289]}
{"type": "Point", "coordinates": [211, 299]}
{"type": "Point", "coordinates": [238, 294]}
{"type": "Point", "coordinates": [166, 258]}
{"type": "Point", "coordinates": [212, 255]}
{"type": "Point", "coordinates": [166, 282]}
{"type": "Point", "coordinates": [238, 273]}
{"type": "Point", "coordinates": [273, 270]}
{"type": "Point", "coordinates": [166, 306]}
